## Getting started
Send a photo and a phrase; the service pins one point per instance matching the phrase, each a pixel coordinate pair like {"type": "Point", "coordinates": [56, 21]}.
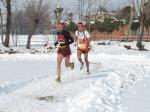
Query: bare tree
{"type": "Point", "coordinates": [1, 18]}
{"type": "Point", "coordinates": [132, 13]}
{"type": "Point", "coordinates": [85, 7]}
{"type": "Point", "coordinates": [140, 9]}
{"type": "Point", "coordinates": [90, 8]}
{"type": "Point", "coordinates": [98, 7]}
{"type": "Point", "coordinates": [147, 18]}
{"type": "Point", "coordinates": [35, 11]}
{"type": "Point", "coordinates": [20, 23]}
{"type": "Point", "coordinates": [88, 13]}
{"type": "Point", "coordinates": [102, 5]}
{"type": "Point", "coordinates": [81, 4]}
{"type": "Point", "coordinates": [7, 4]}
{"type": "Point", "coordinates": [14, 26]}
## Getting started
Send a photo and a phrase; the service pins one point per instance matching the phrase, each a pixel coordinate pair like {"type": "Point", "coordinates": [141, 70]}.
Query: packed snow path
{"type": "Point", "coordinates": [113, 72]}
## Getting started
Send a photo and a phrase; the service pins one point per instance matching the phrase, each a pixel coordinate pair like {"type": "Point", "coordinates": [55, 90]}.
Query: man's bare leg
{"type": "Point", "coordinates": [67, 62]}
{"type": "Point", "coordinates": [79, 53]}
{"type": "Point", "coordinates": [59, 61]}
{"type": "Point", "coordinates": [86, 61]}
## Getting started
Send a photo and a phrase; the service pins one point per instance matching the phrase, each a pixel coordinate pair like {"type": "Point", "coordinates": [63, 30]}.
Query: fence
{"type": "Point", "coordinates": [118, 38]}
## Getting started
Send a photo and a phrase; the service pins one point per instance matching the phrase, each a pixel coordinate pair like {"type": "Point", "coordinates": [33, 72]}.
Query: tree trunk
{"type": "Point", "coordinates": [8, 24]}
{"type": "Point", "coordinates": [34, 23]}
{"type": "Point", "coordinates": [29, 41]}
{"type": "Point", "coordinates": [1, 17]}
{"type": "Point", "coordinates": [28, 46]}
{"type": "Point", "coordinates": [130, 23]}
{"type": "Point", "coordinates": [139, 42]}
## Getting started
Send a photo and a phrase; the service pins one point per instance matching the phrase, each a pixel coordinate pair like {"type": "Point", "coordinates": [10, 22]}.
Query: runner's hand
{"type": "Point", "coordinates": [55, 44]}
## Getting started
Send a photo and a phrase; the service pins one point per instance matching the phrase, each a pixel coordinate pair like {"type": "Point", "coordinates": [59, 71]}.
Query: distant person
{"type": "Point", "coordinates": [122, 37]}
{"type": "Point", "coordinates": [83, 39]}
{"type": "Point", "coordinates": [64, 40]}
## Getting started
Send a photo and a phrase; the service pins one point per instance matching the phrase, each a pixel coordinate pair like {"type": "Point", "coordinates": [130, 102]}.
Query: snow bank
{"type": "Point", "coordinates": [137, 99]}
{"type": "Point", "coordinates": [105, 94]}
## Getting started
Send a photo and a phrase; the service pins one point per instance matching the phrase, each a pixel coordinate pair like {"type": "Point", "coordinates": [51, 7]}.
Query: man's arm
{"type": "Point", "coordinates": [88, 36]}
{"type": "Point", "coordinates": [56, 42]}
{"type": "Point", "coordinates": [76, 38]}
{"type": "Point", "coordinates": [70, 38]}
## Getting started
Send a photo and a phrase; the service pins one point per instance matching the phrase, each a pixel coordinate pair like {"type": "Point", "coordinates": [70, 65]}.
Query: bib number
{"type": "Point", "coordinates": [83, 46]}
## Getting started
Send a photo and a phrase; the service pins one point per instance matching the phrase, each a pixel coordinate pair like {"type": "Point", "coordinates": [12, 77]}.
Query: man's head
{"type": "Point", "coordinates": [81, 26]}
{"type": "Point", "coordinates": [60, 26]}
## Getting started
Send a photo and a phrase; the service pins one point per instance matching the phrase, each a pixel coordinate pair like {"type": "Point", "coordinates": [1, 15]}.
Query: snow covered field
{"type": "Point", "coordinates": [115, 84]}
{"type": "Point", "coordinates": [137, 99]}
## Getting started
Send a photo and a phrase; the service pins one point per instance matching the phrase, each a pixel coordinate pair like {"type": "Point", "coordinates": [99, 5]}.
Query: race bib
{"type": "Point", "coordinates": [83, 45]}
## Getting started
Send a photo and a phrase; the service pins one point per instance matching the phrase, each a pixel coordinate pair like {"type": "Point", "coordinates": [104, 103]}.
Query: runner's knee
{"type": "Point", "coordinates": [79, 58]}
{"type": "Point", "coordinates": [86, 59]}
{"type": "Point", "coordinates": [67, 64]}
{"type": "Point", "coordinates": [58, 63]}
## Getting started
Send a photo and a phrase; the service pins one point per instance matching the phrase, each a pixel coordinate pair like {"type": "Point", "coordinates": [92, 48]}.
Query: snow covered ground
{"type": "Point", "coordinates": [116, 72]}
{"type": "Point", "coordinates": [137, 99]}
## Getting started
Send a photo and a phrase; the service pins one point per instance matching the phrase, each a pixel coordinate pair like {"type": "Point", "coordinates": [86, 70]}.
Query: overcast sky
{"type": "Point", "coordinates": [112, 4]}
{"type": "Point", "coordinates": [72, 5]}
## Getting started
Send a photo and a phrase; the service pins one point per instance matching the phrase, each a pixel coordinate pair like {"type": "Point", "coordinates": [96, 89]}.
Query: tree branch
{"type": "Point", "coordinates": [4, 3]}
